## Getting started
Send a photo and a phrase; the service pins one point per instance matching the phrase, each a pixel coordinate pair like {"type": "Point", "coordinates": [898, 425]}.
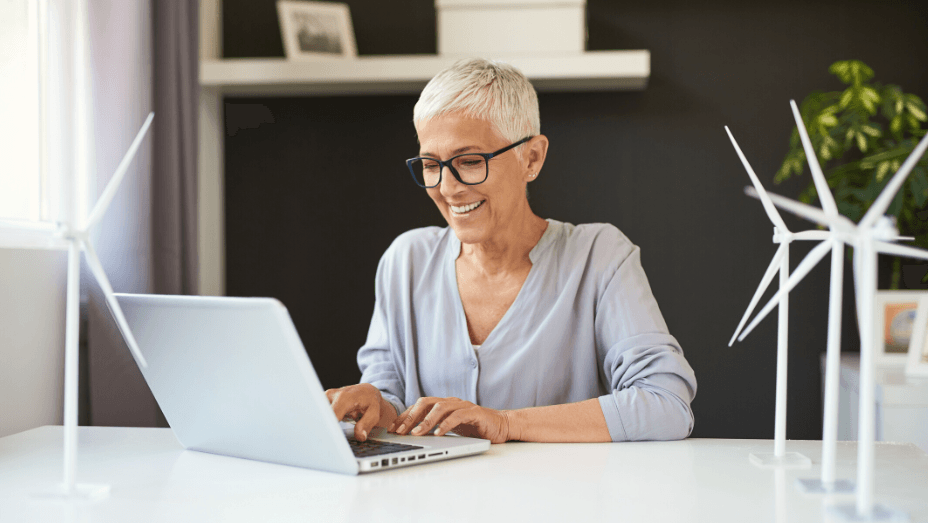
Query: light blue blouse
{"type": "Point", "coordinates": [584, 325]}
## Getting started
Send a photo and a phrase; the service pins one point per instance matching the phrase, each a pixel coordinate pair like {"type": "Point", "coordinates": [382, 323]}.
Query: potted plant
{"type": "Point", "coordinates": [861, 136]}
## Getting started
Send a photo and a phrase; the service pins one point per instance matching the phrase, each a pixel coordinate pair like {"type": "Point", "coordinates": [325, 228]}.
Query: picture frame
{"type": "Point", "coordinates": [316, 30]}
{"type": "Point", "coordinates": [894, 320]}
{"type": "Point", "coordinates": [917, 357]}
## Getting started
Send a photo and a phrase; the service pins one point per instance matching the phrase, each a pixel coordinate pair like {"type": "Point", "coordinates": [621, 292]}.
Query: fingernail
{"type": "Point", "coordinates": [417, 430]}
{"type": "Point", "coordinates": [402, 428]}
{"type": "Point", "coordinates": [363, 434]}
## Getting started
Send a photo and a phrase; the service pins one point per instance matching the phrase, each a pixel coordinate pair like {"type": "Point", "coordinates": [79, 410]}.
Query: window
{"type": "Point", "coordinates": [21, 171]}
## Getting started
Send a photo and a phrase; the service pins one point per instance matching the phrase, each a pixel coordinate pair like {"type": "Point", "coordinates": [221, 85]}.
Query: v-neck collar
{"type": "Point", "coordinates": [454, 251]}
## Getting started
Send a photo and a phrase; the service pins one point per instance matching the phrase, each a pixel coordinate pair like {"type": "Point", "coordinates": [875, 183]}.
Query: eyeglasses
{"type": "Point", "coordinates": [469, 168]}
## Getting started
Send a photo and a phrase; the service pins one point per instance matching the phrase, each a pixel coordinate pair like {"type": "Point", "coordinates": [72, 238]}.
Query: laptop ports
{"type": "Point", "coordinates": [384, 462]}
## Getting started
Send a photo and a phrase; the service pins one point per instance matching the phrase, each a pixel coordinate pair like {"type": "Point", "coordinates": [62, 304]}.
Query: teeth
{"type": "Point", "coordinates": [466, 208]}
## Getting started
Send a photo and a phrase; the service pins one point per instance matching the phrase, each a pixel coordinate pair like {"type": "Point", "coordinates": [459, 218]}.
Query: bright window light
{"type": "Point", "coordinates": [21, 191]}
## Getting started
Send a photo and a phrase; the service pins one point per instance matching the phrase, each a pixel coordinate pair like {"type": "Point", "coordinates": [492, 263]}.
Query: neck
{"type": "Point", "coordinates": [507, 251]}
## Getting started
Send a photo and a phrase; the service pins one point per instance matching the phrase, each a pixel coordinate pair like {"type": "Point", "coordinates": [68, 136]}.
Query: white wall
{"type": "Point", "coordinates": [31, 338]}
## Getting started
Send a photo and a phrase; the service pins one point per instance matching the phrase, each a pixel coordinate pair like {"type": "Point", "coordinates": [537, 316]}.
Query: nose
{"type": "Point", "coordinates": [449, 185]}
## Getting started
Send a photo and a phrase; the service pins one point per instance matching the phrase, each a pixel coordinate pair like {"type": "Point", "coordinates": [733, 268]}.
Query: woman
{"type": "Point", "coordinates": [504, 325]}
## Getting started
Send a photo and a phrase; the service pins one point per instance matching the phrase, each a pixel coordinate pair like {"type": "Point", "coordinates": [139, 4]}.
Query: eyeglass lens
{"type": "Point", "coordinates": [471, 168]}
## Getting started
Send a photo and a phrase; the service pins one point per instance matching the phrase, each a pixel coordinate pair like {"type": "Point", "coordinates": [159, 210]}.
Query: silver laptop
{"type": "Point", "coordinates": [233, 378]}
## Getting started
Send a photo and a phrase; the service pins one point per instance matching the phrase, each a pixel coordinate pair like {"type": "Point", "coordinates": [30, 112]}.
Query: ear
{"type": "Point", "coordinates": [534, 154]}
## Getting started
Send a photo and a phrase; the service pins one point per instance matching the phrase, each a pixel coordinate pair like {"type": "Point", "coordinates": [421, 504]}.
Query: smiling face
{"type": "Point", "coordinates": [478, 213]}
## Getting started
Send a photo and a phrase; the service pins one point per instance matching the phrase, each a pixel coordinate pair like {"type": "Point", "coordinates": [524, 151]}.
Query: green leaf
{"type": "Point", "coordinates": [914, 99]}
{"type": "Point", "coordinates": [916, 111]}
{"type": "Point", "coordinates": [881, 171]}
{"type": "Point", "coordinates": [841, 69]}
{"type": "Point", "coordinates": [828, 120]}
{"type": "Point", "coordinates": [851, 71]}
{"type": "Point", "coordinates": [895, 125]}
{"type": "Point", "coordinates": [854, 211]}
{"type": "Point", "coordinates": [860, 72]}
{"type": "Point", "coordinates": [872, 130]}
{"type": "Point", "coordinates": [846, 97]}
{"type": "Point", "coordinates": [896, 152]}
{"type": "Point", "coordinates": [896, 206]}
{"type": "Point", "coordinates": [861, 142]}
{"type": "Point", "coordinates": [918, 184]}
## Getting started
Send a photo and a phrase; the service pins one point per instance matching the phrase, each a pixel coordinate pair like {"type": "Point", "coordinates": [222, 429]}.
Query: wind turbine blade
{"type": "Point", "coordinates": [889, 192]}
{"type": "Point", "coordinates": [110, 191]}
{"type": "Point", "coordinates": [762, 194]}
{"type": "Point", "coordinates": [764, 283]}
{"type": "Point", "coordinates": [803, 210]}
{"type": "Point", "coordinates": [821, 185]}
{"type": "Point", "coordinates": [97, 268]}
{"type": "Point", "coordinates": [857, 283]}
{"type": "Point", "coordinates": [811, 259]}
{"type": "Point", "coordinates": [901, 250]}
{"type": "Point", "coordinates": [811, 235]}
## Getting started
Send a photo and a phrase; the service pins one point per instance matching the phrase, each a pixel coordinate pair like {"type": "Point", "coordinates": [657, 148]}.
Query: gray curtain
{"type": "Point", "coordinates": [174, 176]}
{"type": "Point", "coordinates": [115, 393]}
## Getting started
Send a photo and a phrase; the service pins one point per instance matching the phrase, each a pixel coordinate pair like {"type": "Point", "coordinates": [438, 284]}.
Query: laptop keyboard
{"type": "Point", "coordinates": [372, 447]}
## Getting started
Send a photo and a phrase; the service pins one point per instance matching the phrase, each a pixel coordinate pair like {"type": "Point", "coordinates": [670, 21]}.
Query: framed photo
{"type": "Point", "coordinates": [894, 321]}
{"type": "Point", "coordinates": [917, 361]}
{"type": "Point", "coordinates": [314, 30]}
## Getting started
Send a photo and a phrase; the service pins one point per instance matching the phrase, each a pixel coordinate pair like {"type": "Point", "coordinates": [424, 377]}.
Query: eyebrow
{"type": "Point", "coordinates": [455, 152]}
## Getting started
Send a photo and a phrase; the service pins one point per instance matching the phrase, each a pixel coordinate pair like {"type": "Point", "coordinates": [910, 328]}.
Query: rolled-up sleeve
{"type": "Point", "coordinates": [377, 362]}
{"type": "Point", "coordinates": [651, 383]}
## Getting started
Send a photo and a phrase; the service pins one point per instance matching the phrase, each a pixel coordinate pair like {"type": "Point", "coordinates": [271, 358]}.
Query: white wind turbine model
{"type": "Point", "coordinates": [73, 234]}
{"type": "Point", "coordinates": [74, 237]}
{"type": "Point", "coordinates": [780, 261]}
{"type": "Point", "coordinates": [870, 237]}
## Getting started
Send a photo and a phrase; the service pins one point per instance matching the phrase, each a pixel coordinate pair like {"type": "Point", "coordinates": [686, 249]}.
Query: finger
{"type": "Point", "coordinates": [415, 414]}
{"type": "Point", "coordinates": [330, 394]}
{"type": "Point", "coordinates": [453, 420]}
{"type": "Point", "coordinates": [367, 422]}
{"type": "Point", "coordinates": [437, 413]}
{"type": "Point", "coordinates": [400, 419]}
{"type": "Point", "coordinates": [344, 405]}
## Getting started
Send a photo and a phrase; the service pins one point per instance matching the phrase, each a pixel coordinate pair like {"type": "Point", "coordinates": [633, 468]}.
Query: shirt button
{"type": "Point", "coordinates": [473, 363]}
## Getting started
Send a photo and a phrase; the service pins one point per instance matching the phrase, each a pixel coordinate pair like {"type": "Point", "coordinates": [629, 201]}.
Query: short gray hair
{"type": "Point", "coordinates": [484, 89]}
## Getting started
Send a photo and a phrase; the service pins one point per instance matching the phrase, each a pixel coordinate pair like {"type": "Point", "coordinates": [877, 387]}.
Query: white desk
{"type": "Point", "coordinates": [153, 479]}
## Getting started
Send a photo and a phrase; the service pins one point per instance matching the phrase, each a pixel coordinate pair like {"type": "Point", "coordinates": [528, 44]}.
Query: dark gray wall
{"type": "Point", "coordinates": [328, 172]}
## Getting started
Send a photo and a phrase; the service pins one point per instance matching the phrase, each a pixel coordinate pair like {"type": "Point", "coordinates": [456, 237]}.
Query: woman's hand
{"type": "Point", "coordinates": [447, 414]}
{"type": "Point", "coordinates": [363, 403]}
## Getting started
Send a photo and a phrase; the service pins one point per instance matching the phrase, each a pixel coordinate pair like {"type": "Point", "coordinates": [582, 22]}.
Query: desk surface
{"type": "Point", "coordinates": [153, 479]}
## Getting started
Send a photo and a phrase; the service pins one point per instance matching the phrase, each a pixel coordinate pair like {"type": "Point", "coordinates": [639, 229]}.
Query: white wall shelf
{"type": "Point", "coordinates": [398, 74]}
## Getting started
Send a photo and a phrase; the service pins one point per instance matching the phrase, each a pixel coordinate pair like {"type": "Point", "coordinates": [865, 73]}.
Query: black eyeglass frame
{"type": "Point", "coordinates": [447, 163]}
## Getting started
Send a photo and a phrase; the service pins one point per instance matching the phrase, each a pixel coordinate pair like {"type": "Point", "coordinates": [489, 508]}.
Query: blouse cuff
{"type": "Point", "coordinates": [613, 418]}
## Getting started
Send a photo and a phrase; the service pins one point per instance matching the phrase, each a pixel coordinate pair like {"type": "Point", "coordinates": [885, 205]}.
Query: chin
{"type": "Point", "coordinates": [469, 233]}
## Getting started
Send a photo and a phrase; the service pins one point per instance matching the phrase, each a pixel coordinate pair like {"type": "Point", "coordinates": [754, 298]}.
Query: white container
{"type": "Point", "coordinates": [500, 27]}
